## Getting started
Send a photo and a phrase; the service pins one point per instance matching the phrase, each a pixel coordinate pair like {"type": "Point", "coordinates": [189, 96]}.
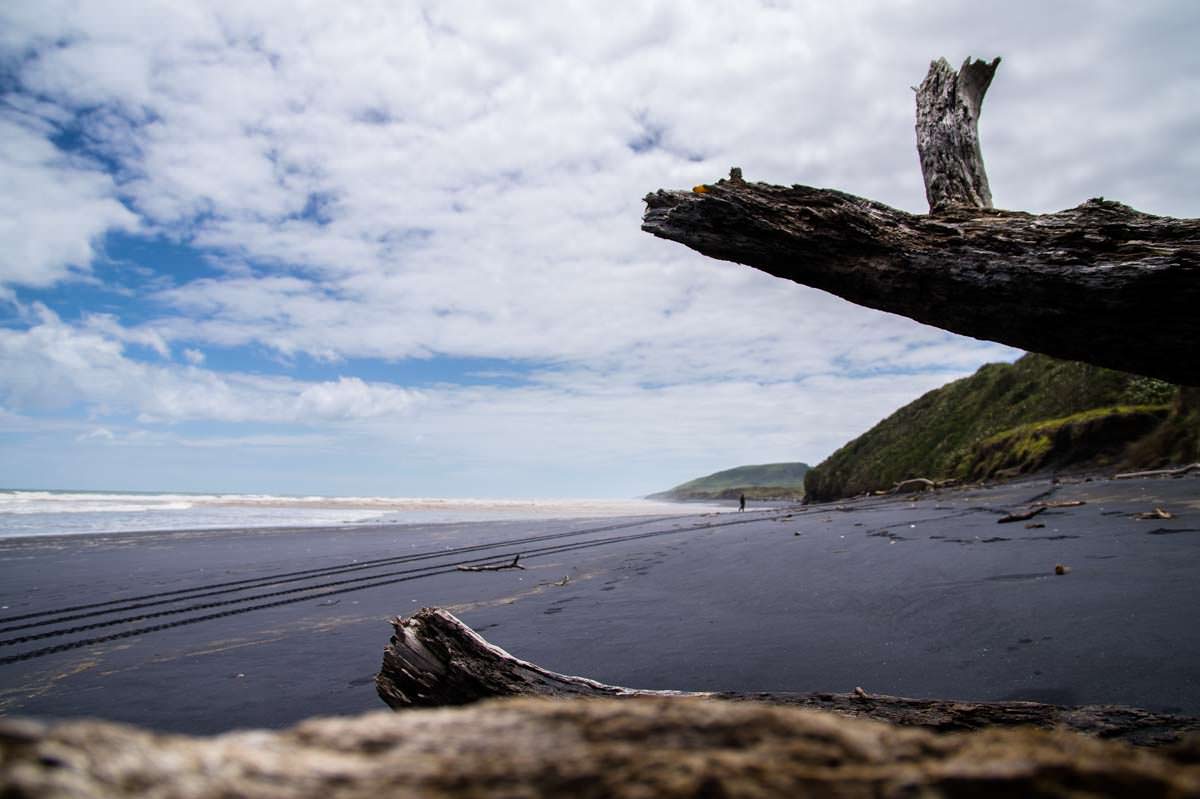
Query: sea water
{"type": "Point", "coordinates": [39, 513]}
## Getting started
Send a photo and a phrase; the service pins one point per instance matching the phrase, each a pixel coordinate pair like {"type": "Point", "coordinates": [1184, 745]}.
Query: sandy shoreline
{"type": "Point", "coordinates": [924, 598]}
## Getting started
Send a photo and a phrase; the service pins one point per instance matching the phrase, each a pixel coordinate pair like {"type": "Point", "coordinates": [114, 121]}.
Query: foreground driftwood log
{"type": "Point", "coordinates": [1101, 282]}
{"type": "Point", "coordinates": [433, 660]}
{"type": "Point", "coordinates": [599, 748]}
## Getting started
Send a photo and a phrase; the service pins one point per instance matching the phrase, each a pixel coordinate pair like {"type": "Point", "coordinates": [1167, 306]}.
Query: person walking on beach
{"type": "Point", "coordinates": [741, 503]}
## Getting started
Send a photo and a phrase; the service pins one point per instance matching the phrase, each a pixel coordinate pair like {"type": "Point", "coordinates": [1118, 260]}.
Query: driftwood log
{"type": "Point", "coordinates": [922, 483]}
{"type": "Point", "coordinates": [601, 749]}
{"type": "Point", "coordinates": [1179, 472]}
{"type": "Point", "coordinates": [1101, 282]}
{"type": "Point", "coordinates": [433, 660]}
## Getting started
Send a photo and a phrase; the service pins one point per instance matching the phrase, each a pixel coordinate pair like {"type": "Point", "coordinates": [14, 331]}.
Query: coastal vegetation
{"type": "Point", "coordinates": [1036, 414]}
{"type": "Point", "coordinates": [1008, 419]}
{"type": "Point", "coordinates": [760, 481]}
{"type": "Point", "coordinates": [1098, 436]}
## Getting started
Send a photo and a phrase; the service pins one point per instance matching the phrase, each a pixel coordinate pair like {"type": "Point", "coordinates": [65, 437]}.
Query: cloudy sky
{"type": "Point", "coordinates": [394, 248]}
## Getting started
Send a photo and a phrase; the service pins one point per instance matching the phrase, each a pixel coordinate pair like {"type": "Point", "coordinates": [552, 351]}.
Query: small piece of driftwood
{"type": "Point", "coordinates": [1021, 517]}
{"type": "Point", "coordinates": [1156, 514]}
{"type": "Point", "coordinates": [923, 483]}
{"type": "Point", "coordinates": [513, 564]}
{"type": "Point", "coordinates": [433, 660]}
{"type": "Point", "coordinates": [1179, 472]}
{"type": "Point", "coordinates": [1038, 508]}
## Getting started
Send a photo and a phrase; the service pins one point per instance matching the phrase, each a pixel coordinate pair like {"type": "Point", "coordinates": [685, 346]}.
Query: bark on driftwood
{"type": "Point", "coordinates": [1101, 282]}
{"type": "Point", "coordinates": [434, 659]}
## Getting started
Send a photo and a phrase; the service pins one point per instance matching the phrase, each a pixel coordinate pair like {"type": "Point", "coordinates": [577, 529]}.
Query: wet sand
{"type": "Point", "coordinates": [925, 597]}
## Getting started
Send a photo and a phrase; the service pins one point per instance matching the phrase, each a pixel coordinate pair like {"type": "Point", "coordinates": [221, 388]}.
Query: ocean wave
{"type": "Point", "coordinates": [26, 513]}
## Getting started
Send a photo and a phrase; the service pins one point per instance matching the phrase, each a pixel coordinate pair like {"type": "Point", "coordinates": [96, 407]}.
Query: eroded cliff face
{"type": "Point", "coordinates": [610, 748]}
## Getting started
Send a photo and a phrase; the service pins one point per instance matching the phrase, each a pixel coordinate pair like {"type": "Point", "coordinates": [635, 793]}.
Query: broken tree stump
{"type": "Point", "coordinates": [1100, 283]}
{"type": "Point", "coordinates": [434, 660]}
{"type": "Point", "coordinates": [948, 106]}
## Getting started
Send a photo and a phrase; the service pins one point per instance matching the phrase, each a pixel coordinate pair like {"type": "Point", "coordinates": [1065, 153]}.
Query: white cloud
{"type": "Point", "coordinates": [53, 209]}
{"type": "Point", "coordinates": [109, 326]}
{"type": "Point", "coordinates": [487, 114]}
{"type": "Point", "coordinates": [97, 434]}
{"type": "Point", "coordinates": [351, 398]}
{"type": "Point", "coordinates": [57, 365]}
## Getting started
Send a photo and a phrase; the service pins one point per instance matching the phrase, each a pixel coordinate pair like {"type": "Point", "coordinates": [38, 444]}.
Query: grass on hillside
{"type": "Point", "coordinates": [760, 481]}
{"type": "Point", "coordinates": [1097, 437]}
{"type": "Point", "coordinates": [940, 434]}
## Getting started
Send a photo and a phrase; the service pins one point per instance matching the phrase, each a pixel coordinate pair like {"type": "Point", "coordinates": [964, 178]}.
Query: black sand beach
{"type": "Point", "coordinates": [925, 597]}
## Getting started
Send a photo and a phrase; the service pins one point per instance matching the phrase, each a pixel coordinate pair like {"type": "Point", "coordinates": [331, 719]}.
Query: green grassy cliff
{"type": "Point", "coordinates": [1006, 419]}
{"type": "Point", "coordinates": [762, 481]}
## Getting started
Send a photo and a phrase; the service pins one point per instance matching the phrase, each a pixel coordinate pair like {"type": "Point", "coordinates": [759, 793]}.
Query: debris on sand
{"type": "Point", "coordinates": [1157, 513]}
{"type": "Point", "coordinates": [1021, 517]}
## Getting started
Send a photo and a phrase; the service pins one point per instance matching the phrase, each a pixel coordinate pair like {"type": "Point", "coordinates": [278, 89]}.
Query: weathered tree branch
{"type": "Point", "coordinates": [433, 659]}
{"type": "Point", "coordinates": [1101, 283]}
